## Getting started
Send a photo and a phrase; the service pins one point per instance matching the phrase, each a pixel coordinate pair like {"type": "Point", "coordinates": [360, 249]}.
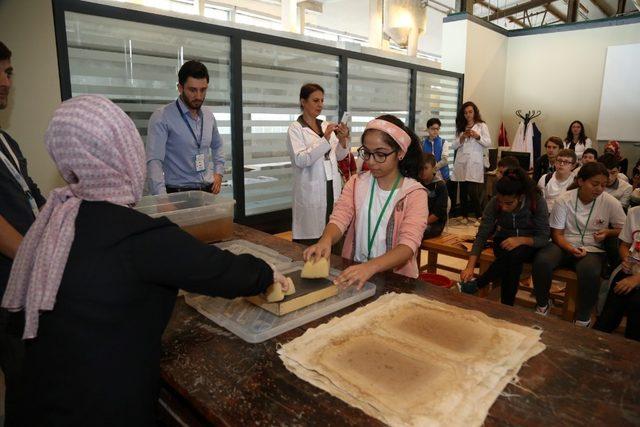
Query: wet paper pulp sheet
{"type": "Point", "coordinates": [408, 360]}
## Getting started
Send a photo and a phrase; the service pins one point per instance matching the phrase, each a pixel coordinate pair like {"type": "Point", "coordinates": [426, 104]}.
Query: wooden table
{"type": "Point", "coordinates": [449, 244]}
{"type": "Point", "coordinates": [212, 377]}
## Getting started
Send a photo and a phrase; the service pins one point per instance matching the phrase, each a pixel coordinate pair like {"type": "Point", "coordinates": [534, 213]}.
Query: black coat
{"type": "Point", "coordinates": [96, 358]}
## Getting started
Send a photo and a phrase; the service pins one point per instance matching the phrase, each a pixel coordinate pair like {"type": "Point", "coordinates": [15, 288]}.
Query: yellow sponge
{"type": "Point", "coordinates": [317, 270]}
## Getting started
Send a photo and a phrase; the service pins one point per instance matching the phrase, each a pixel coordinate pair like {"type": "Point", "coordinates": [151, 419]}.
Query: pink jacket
{"type": "Point", "coordinates": [405, 227]}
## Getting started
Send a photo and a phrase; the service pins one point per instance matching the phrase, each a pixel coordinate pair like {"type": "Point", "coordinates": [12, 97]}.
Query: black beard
{"type": "Point", "coordinates": [187, 103]}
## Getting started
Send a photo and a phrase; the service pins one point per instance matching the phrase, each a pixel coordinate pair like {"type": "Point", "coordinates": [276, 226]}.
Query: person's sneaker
{"type": "Point", "coordinates": [463, 221]}
{"type": "Point", "coordinates": [583, 323]}
{"type": "Point", "coordinates": [543, 311]}
{"type": "Point", "coordinates": [470, 287]}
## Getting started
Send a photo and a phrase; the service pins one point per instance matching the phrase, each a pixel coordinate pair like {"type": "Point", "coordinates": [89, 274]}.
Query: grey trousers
{"type": "Point", "coordinates": [587, 269]}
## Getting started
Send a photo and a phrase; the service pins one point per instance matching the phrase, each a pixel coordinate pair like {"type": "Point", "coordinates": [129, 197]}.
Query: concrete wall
{"type": "Point", "coordinates": [27, 29]}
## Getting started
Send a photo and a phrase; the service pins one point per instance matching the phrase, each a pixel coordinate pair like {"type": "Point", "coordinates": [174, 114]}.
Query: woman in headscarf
{"type": "Point", "coordinates": [613, 147]}
{"type": "Point", "coordinates": [98, 280]}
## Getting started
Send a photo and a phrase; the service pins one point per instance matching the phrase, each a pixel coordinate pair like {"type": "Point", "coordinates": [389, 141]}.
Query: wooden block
{"type": "Point", "coordinates": [308, 291]}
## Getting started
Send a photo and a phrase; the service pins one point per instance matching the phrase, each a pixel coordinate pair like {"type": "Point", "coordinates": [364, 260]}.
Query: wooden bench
{"type": "Point", "coordinates": [449, 244]}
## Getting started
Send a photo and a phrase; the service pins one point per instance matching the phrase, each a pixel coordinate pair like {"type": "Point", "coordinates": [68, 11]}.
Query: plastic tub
{"type": "Point", "coordinates": [436, 279]}
{"type": "Point", "coordinates": [205, 216]}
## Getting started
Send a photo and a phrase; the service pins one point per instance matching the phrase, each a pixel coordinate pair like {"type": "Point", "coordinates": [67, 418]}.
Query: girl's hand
{"type": "Point", "coordinates": [511, 243]}
{"type": "Point", "coordinates": [356, 275]}
{"type": "Point", "coordinates": [626, 265]}
{"type": "Point", "coordinates": [473, 134]}
{"type": "Point", "coordinates": [466, 274]}
{"type": "Point", "coordinates": [578, 252]}
{"type": "Point", "coordinates": [627, 284]}
{"type": "Point", "coordinates": [322, 249]}
{"type": "Point", "coordinates": [600, 235]}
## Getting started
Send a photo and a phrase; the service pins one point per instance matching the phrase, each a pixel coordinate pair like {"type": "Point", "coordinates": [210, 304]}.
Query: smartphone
{"type": "Point", "coordinates": [346, 116]}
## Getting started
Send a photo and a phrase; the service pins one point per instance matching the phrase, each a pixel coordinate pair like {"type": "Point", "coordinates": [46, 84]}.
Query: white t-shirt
{"type": "Point", "coordinates": [606, 210]}
{"type": "Point", "coordinates": [554, 188]}
{"type": "Point", "coordinates": [622, 192]}
{"type": "Point", "coordinates": [379, 246]}
{"type": "Point", "coordinates": [631, 225]}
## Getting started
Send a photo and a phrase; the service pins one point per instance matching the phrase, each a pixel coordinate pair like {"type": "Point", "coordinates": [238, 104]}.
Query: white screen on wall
{"type": "Point", "coordinates": [619, 117]}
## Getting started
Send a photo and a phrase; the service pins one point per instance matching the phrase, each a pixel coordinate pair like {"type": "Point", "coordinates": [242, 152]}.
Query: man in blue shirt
{"type": "Point", "coordinates": [184, 148]}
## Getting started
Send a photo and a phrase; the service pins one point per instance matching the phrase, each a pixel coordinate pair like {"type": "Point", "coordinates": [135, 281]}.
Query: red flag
{"type": "Point", "coordinates": [503, 140]}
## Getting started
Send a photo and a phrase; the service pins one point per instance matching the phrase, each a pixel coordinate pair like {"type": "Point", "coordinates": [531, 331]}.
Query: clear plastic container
{"type": "Point", "coordinates": [254, 325]}
{"type": "Point", "coordinates": [205, 216]}
{"type": "Point", "coordinates": [271, 256]}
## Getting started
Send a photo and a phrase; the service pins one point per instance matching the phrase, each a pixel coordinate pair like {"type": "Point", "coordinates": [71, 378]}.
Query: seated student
{"type": "Point", "coordinates": [613, 147]}
{"type": "Point", "coordinates": [590, 155]}
{"type": "Point", "coordinates": [380, 212]}
{"type": "Point", "coordinates": [624, 297]}
{"type": "Point", "coordinates": [547, 162]}
{"type": "Point", "coordinates": [97, 327]}
{"type": "Point", "coordinates": [618, 188]}
{"type": "Point", "coordinates": [518, 219]}
{"type": "Point", "coordinates": [579, 225]}
{"type": "Point", "coordinates": [553, 185]}
{"type": "Point", "coordinates": [438, 197]}
{"type": "Point", "coordinates": [506, 162]}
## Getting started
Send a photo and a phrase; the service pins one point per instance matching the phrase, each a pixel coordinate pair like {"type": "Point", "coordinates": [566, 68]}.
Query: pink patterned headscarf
{"type": "Point", "coordinates": [615, 147]}
{"type": "Point", "coordinates": [398, 134]}
{"type": "Point", "coordinates": [99, 153]}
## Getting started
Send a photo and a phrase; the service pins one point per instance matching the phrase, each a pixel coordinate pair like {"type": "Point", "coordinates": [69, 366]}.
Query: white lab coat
{"type": "Point", "coordinates": [307, 150]}
{"type": "Point", "coordinates": [523, 141]}
{"type": "Point", "coordinates": [469, 163]}
{"type": "Point", "coordinates": [579, 148]}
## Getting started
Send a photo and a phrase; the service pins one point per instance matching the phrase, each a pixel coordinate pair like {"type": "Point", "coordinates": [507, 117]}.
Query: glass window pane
{"type": "Point", "coordinates": [271, 80]}
{"type": "Point", "coordinates": [373, 90]}
{"type": "Point", "coordinates": [136, 66]}
{"type": "Point", "coordinates": [437, 96]}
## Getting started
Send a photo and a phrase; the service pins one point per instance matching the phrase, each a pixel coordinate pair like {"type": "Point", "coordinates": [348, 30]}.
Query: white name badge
{"type": "Point", "coordinates": [200, 164]}
{"type": "Point", "coordinates": [328, 170]}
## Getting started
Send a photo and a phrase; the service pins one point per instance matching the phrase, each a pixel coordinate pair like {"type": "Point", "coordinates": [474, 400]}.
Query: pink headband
{"type": "Point", "coordinates": [399, 136]}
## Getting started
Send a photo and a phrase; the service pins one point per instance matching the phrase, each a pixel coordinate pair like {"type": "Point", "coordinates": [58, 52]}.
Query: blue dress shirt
{"type": "Point", "coordinates": [172, 148]}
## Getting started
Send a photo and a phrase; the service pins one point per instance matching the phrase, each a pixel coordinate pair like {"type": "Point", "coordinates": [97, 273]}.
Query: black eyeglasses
{"type": "Point", "coordinates": [434, 128]}
{"type": "Point", "coordinates": [377, 155]}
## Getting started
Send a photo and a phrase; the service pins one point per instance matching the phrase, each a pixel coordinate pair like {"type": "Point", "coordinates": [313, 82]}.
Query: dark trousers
{"type": "Point", "coordinates": [452, 189]}
{"type": "Point", "coordinates": [205, 187]}
{"type": "Point", "coordinates": [11, 362]}
{"type": "Point", "coordinates": [433, 230]}
{"type": "Point", "coordinates": [587, 269]}
{"type": "Point", "coordinates": [507, 267]}
{"type": "Point", "coordinates": [470, 198]}
{"type": "Point", "coordinates": [616, 307]}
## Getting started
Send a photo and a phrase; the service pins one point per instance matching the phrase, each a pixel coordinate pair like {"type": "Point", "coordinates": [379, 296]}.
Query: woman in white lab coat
{"type": "Point", "coordinates": [315, 148]}
{"type": "Point", "coordinates": [472, 138]}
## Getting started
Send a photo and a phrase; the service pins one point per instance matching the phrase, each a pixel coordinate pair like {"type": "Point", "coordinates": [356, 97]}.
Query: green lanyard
{"type": "Point", "coordinates": [370, 236]}
{"type": "Point", "coordinates": [586, 225]}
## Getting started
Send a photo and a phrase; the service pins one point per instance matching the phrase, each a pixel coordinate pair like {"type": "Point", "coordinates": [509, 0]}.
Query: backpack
{"type": "Point", "coordinates": [547, 178]}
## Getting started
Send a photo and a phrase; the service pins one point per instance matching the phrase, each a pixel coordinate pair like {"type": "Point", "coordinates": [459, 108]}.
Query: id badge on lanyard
{"type": "Point", "coordinates": [200, 163]}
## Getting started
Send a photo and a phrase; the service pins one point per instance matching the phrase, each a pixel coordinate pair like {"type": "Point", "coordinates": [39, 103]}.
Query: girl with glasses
{"type": "Point", "coordinates": [382, 212]}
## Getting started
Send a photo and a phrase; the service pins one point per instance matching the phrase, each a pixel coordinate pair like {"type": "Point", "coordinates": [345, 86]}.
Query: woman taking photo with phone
{"type": "Point", "coordinates": [315, 146]}
{"type": "Point", "coordinates": [472, 137]}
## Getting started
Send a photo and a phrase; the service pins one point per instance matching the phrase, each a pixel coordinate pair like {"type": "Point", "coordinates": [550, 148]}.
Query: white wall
{"type": "Point", "coordinates": [561, 75]}
{"type": "Point", "coordinates": [27, 29]}
{"type": "Point", "coordinates": [481, 54]}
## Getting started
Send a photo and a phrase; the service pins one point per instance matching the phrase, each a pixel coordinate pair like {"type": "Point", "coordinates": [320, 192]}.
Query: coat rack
{"type": "Point", "coordinates": [530, 115]}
